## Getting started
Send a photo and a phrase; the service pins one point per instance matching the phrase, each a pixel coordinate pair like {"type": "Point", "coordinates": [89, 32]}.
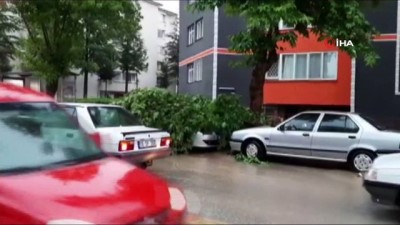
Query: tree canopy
{"type": "Point", "coordinates": [170, 65]}
{"type": "Point", "coordinates": [8, 39]}
{"type": "Point", "coordinates": [67, 34]}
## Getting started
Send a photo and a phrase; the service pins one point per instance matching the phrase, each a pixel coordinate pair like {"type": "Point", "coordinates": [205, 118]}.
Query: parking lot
{"type": "Point", "coordinates": [220, 189]}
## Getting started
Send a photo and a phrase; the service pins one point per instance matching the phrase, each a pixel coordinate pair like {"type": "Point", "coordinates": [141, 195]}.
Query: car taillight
{"type": "Point", "coordinates": [126, 146]}
{"type": "Point", "coordinates": [165, 141]}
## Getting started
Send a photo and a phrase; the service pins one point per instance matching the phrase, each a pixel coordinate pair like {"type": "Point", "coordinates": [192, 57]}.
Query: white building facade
{"type": "Point", "coordinates": [156, 24]}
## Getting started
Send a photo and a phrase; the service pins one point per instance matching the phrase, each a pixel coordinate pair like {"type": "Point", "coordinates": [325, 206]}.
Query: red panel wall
{"type": "Point", "coordinates": [312, 92]}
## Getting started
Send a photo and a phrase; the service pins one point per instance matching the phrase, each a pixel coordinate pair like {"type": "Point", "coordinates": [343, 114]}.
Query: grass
{"type": "Point", "coordinates": [249, 160]}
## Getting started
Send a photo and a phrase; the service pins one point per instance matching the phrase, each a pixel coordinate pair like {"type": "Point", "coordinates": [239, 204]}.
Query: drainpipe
{"type": "Point", "coordinates": [215, 55]}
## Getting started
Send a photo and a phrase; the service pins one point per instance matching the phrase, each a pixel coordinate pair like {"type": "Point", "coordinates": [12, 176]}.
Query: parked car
{"type": "Point", "coordinates": [383, 180]}
{"type": "Point", "coordinates": [205, 141]}
{"type": "Point", "coordinates": [51, 172]}
{"type": "Point", "coordinates": [123, 134]}
{"type": "Point", "coordinates": [338, 136]}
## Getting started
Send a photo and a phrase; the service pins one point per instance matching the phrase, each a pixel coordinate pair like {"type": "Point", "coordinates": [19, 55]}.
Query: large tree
{"type": "Point", "coordinates": [261, 41]}
{"type": "Point", "coordinates": [132, 53]}
{"type": "Point", "coordinates": [53, 29]}
{"type": "Point", "coordinates": [103, 21]}
{"type": "Point", "coordinates": [105, 58]}
{"type": "Point", "coordinates": [9, 27]}
{"type": "Point", "coordinates": [170, 65]}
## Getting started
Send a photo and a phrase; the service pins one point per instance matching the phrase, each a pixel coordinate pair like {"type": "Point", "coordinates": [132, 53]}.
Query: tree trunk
{"type": "Point", "coordinates": [106, 88]}
{"type": "Point", "coordinates": [126, 81]}
{"type": "Point", "coordinates": [258, 80]}
{"type": "Point", "coordinates": [51, 88]}
{"type": "Point", "coordinates": [86, 72]}
{"type": "Point", "coordinates": [137, 81]}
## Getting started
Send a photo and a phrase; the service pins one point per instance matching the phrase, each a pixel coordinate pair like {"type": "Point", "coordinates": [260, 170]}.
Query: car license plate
{"type": "Point", "coordinates": [147, 143]}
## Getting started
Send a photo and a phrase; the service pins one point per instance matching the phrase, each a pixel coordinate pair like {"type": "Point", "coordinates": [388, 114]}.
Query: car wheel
{"type": "Point", "coordinates": [361, 161]}
{"type": "Point", "coordinates": [143, 165]}
{"type": "Point", "coordinates": [254, 148]}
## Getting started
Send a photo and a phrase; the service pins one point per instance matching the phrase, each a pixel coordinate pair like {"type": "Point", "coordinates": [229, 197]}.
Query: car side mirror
{"type": "Point", "coordinates": [282, 128]}
{"type": "Point", "coordinates": [96, 138]}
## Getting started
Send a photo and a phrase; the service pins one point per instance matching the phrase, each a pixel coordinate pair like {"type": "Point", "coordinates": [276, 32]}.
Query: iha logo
{"type": "Point", "coordinates": [344, 43]}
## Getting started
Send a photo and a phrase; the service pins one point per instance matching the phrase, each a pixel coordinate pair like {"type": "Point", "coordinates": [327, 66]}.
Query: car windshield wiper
{"type": "Point", "coordinates": [18, 170]}
{"type": "Point", "coordinates": [70, 162]}
{"type": "Point", "coordinates": [76, 161]}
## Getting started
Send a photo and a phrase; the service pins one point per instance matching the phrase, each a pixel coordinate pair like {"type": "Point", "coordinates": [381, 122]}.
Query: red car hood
{"type": "Point", "coordinates": [105, 191]}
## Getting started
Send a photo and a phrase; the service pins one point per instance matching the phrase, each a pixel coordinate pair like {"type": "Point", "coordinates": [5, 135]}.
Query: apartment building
{"type": "Point", "coordinates": [157, 22]}
{"type": "Point", "coordinates": [204, 59]}
{"type": "Point", "coordinates": [316, 75]}
{"type": "Point", "coordinates": [311, 76]}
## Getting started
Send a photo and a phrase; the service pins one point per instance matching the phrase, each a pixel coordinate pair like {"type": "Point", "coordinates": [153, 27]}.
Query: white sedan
{"type": "Point", "coordinates": [383, 180]}
{"type": "Point", "coordinates": [122, 134]}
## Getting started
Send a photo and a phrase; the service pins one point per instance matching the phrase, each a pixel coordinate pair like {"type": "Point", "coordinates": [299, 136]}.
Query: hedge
{"type": "Point", "coordinates": [184, 115]}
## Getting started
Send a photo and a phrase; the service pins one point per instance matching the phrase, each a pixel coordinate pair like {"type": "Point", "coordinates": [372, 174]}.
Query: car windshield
{"type": "Point", "coordinates": [105, 116]}
{"type": "Point", "coordinates": [373, 122]}
{"type": "Point", "coordinates": [39, 136]}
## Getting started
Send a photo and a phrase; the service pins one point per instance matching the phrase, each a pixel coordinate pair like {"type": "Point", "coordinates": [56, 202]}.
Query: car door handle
{"type": "Point", "coordinates": [306, 134]}
{"type": "Point", "coordinates": [352, 137]}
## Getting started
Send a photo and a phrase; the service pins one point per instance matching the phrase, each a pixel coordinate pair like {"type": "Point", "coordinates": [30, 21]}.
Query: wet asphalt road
{"type": "Point", "coordinates": [287, 191]}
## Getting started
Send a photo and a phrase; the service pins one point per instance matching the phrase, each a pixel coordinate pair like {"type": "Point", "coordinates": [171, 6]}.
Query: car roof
{"type": "Point", "coordinates": [78, 104]}
{"type": "Point", "coordinates": [13, 93]}
{"type": "Point", "coordinates": [330, 112]}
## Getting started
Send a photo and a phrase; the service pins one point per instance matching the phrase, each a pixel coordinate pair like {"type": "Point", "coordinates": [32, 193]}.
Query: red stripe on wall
{"type": "Point", "coordinates": [386, 37]}
{"type": "Point", "coordinates": [226, 51]}
{"type": "Point", "coordinates": [210, 51]}
{"type": "Point", "coordinates": [196, 57]}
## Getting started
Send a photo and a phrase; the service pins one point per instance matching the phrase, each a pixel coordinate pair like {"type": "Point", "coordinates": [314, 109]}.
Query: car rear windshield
{"type": "Point", "coordinates": [373, 122]}
{"type": "Point", "coordinates": [104, 116]}
{"type": "Point", "coordinates": [41, 135]}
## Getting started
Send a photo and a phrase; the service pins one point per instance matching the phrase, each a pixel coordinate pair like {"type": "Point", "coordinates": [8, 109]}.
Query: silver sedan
{"type": "Point", "coordinates": [337, 136]}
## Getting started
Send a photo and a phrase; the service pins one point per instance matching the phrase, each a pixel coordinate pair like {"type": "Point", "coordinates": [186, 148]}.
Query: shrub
{"type": "Point", "coordinates": [183, 115]}
{"type": "Point", "coordinates": [180, 115]}
{"type": "Point", "coordinates": [228, 115]}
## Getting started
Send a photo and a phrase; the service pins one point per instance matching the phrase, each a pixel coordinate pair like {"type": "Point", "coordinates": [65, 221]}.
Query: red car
{"type": "Point", "coordinates": [51, 172]}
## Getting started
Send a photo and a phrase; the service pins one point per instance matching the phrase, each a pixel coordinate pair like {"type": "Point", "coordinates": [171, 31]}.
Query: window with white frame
{"type": "Point", "coordinates": [285, 26]}
{"type": "Point", "coordinates": [190, 72]}
{"type": "Point", "coordinates": [199, 29]}
{"type": "Point", "coordinates": [308, 66]}
{"type": "Point", "coordinates": [191, 34]}
{"type": "Point", "coordinates": [198, 70]}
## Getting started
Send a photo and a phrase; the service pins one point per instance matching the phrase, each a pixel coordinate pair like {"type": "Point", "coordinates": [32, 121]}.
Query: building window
{"type": "Point", "coordinates": [191, 34]}
{"type": "Point", "coordinates": [198, 70]}
{"type": "Point", "coordinates": [285, 26]}
{"type": "Point", "coordinates": [164, 19]}
{"type": "Point", "coordinates": [190, 69]}
{"type": "Point", "coordinates": [199, 29]}
{"type": "Point", "coordinates": [272, 73]}
{"type": "Point", "coordinates": [159, 64]}
{"type": "Point", "coordinates": [161, 33]}
{"type": "Point", "coordinates": [308, 66]}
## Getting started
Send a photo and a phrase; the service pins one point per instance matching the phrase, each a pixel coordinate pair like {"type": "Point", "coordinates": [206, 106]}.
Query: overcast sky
{"type": "Point", "coordinates": [171, 5]}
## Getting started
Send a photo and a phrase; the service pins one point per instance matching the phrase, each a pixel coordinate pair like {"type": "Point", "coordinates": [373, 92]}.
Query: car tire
{"type": "Point", "coordinates": [254, 148]}
{"type": "Point", "coordinates": [361, 160]}
{"type": "Point", "coordinates": [143, 165]}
